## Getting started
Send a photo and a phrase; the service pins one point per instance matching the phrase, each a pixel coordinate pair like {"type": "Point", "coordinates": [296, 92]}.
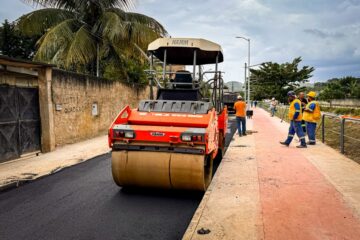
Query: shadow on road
{"type": "Point", "coordinates": [160, 193]}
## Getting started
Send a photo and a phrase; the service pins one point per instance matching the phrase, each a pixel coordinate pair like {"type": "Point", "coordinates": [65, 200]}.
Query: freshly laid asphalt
{"type": "Point", "coordinates": [83, 202]}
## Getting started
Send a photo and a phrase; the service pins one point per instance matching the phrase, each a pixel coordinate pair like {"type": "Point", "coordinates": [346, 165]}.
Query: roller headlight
{"type": "Point", "coordinates": [129, 134]}
{"type": "Point", "coordinates": [186, 138]}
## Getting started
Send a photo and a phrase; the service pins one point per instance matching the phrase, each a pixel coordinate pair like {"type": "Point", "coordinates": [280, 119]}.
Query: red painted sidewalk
{"type": "Point", "coordinates": [264, 190]}
{"type": "Point", "coordinates": [297, 201]}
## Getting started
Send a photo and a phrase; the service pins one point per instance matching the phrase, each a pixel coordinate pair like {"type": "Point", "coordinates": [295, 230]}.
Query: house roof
{"type": "Point", "coordinates": [15, 62]}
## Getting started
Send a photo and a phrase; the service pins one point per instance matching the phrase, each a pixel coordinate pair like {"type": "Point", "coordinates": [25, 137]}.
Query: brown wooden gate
{"type": "Point", "coordinates": [19, 121]}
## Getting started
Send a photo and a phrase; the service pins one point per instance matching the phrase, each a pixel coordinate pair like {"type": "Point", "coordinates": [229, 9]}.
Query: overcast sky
{"type": "Point", "coordinates": [325, 33]}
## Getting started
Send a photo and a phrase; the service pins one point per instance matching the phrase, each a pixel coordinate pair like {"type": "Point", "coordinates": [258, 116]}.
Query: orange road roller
{"type": "Point", "coordinates": [171, 141]}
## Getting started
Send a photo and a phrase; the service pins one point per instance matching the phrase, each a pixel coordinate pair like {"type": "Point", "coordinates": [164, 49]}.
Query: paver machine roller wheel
{"type": "Point", "coordinates": [161, 170]}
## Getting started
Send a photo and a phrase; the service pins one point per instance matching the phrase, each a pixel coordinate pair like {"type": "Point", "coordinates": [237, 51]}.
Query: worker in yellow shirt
{"type": "Point", "coordinates": [295, 117]}
{"type": "Point", "coordinates": [240, 112]}
{"type": "Point", "coordinates": [311, 116]}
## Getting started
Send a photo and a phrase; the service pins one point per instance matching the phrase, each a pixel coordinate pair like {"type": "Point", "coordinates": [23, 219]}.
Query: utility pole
{"type": "Point", "coordinates": [245, 82]}
{"type": "Point", "coordinates": [248, 74]}
{"type": "Point", "coordinates": [248, 71]}
{"type": "Point", "coordinates": [97, 60]}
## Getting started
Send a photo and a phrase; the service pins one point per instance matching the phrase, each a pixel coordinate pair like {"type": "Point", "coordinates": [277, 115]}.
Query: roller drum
{"type": "Point", "coordinates": [161, 170]}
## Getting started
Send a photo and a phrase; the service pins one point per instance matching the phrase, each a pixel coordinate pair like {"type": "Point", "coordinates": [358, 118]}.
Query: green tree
{"type": "Point", "coordinates": [79, 35]}
{"type": "Point", "coordinates": [275, 80]}
{"type": "Point", "coordinates": [132, 71]}
{"type": "Point", "coordinates": [319, 86]}
{"type": "Point", "coordinates": [340, 88]}
{"type": "Point", "coordinates": [14, 44]}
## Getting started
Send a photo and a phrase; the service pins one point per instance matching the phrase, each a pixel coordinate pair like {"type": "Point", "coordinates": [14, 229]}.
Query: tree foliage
{"type": "Point", "coordinates": [14, 44]}
{"type": "Point", "coordinates": [340, 88]}
{"type": "Point", "coordinates": [275, 80]}
{"type": "Point", "coordinates": [131, 71]}
{"type": "Point", "coordinates": [77, 34]}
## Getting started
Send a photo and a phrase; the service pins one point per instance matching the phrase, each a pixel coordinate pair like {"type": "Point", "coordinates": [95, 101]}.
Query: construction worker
{"type": "Point", "coordinates": [273, 105]}
{"type": "Point", "coordinates": [304, 102]}
{"type": "Point", "coordinates": [311, 115]}
{"type": "Point", "coordinates": [295, 117]}
{"type": "Point", "coordinates": [240, 112]}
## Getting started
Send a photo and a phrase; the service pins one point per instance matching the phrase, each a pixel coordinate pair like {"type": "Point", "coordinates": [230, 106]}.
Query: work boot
{"type": "Point", "coordinates": [311, 143]}
{"type": "Point", "coordinates": [301, 146]}
{"type": "Point", "coordinates": [244, 134]}
{"type": "Point", "coordinates": [284, 143]}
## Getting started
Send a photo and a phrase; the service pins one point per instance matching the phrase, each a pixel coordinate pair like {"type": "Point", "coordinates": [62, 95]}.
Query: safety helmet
{"type": "Point", "coordinates": [291, 94]}
{"type": "Point", "coordinates": [311, 94]}
{"type": "Point", "coordinates": [239, 97]}
{"type": "Point", "coordinates": [273, 99]}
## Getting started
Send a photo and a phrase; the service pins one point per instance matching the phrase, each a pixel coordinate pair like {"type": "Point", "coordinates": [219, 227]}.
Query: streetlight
{"type": "Point", "coordinates": [248, 69]}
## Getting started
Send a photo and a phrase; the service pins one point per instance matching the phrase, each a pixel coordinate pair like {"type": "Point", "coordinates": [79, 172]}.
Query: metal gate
{"type": "Point", "coordinates": [19, 121]}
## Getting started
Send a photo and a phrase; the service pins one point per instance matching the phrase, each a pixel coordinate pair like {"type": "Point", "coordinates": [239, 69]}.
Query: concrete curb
{"type": "Point", "coordinates": [193, 225]}
{"type": "Point", "coordinates": [317, 189]}
{"type": "Point", "coordinates": [191, 229]}
{"type": "Point", "coordinates": [234, 189]}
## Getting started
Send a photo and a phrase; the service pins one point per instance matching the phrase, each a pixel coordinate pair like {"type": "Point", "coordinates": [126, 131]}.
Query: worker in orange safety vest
{"type": "Point", "coordinates": [240, 108]}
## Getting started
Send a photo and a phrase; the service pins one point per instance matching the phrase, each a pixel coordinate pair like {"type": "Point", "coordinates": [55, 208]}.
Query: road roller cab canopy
{"type": "Point", "coordinates": [186, 51]}
{"type": "Point", "coordinates": [182, 84]}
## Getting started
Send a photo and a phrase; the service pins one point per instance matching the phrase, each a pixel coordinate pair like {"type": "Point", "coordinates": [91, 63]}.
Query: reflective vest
{"type": "Point", "coordinates": [313, 116]}
{"type": "Point", "coordinates": [292, 110]}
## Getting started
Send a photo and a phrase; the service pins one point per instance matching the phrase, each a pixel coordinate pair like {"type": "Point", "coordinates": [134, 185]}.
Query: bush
{"type": "Point", "coordinates": [130, 72]}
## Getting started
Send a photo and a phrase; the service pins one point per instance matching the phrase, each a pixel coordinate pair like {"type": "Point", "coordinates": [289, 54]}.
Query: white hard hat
{"type": "Point", "coordinates": [273, 99]}
{"type": "Point", "coordinates": [239, 97]}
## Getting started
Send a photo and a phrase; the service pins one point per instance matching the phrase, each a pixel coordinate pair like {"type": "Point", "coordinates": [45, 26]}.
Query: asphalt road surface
{"type": "Point", "coordinates": [83, 202]}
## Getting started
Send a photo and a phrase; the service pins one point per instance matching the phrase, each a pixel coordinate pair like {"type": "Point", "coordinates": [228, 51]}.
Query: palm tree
{"type": "Point", "coordinates": [353, 86]}
{"type": "Point", "coordinates": [78, 33]}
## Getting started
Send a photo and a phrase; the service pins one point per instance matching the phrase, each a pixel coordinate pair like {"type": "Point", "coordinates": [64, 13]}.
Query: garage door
{"type": "Point", "coordinates": [19, 122]}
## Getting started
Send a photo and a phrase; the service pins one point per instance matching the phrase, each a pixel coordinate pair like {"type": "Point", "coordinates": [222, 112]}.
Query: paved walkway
{"type": "Point", "coordinates": [15, 172]}
{"type": "Point", "coordinates": [263, 190]}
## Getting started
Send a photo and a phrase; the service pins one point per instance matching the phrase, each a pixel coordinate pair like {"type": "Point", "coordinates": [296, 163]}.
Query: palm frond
{"type": "Point", "coordinates": [140, 19]}
{"type": "Point", "coordinates": [75, 28]}
{"type": "Point", "coordinates": [123, 4]}
{"type": "Point", "coordinates": [37, 22]}
{"type": "Point", "coordinates": [73, 5]}
{"type": "Point", "coordinates": [60, 4]}
{"type": "Point", "coordinates": [147, 21]}
{"type": "Point", "coordinates": [140, 34]}
{"type": "Point", "coordinates": [111, 26]}
{"type": "Point", "coordinates": [53, 44]}
{"type": "Point", "coordinates": [117, 26]}
{"type": "Point", "coordinates": [128, 32]}
{"type": "Point", "coordinates": [82, 48]}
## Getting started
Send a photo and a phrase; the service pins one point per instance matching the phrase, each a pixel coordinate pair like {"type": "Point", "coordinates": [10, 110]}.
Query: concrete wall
{"type": "Point", "coordinates": [67, 99]}
{"type": "Point", "coordinates": [346, 102]}
{"type": "Point", "coordinates": [26, 77]}
{"type": "Point", "coordinates": [342, 103]}
{"type": "Point", "coordinates": [74, 96]}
